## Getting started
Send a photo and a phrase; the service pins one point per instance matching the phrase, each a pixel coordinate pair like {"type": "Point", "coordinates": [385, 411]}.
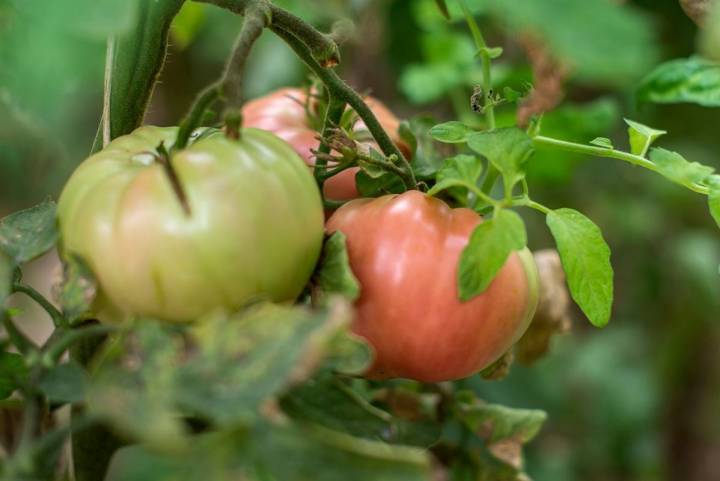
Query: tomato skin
{"type": "Point", "coordinates": [282, 112]}
{"type": "Point", "coordinates": [254, 230]}
{"type": "Point", "coordinates": [404, 250]}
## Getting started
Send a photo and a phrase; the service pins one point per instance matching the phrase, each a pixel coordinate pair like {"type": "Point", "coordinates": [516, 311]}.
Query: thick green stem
{"type": "Point", "coordinates": [322, 47]}
{"type": "Point", "coordinates": [56, 316]}
{"type": "Point", "coordinates": [541, 141]}
{"type": "Point", "coordinates": [340, 90]}
{"type": "Point", "coordinates": [230, 86]}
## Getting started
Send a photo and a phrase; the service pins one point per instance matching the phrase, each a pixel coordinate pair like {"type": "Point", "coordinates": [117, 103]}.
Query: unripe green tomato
{"type": "Point", "coordinates": [253, 226]}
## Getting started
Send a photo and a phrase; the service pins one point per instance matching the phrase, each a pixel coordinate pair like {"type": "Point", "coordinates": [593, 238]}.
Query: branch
{"type": "Point", "coordinates": [333, 115]}
{"type": "Point", "coordinates": [230, 86]}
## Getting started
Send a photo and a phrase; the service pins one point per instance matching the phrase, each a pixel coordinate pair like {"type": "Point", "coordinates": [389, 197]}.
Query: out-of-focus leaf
{"type": "Point", "coordinates": [508, 149]}
{"type": "Point", "coordinates": [495, 423]}
{"type": "Point", "coordinates": [78, 289]}
{"type": "Point", "coordinates": [287, 453]}
{"type": "Point", "coordinates": [187, 24]}
{"type": "Point", "coordinates": [7, 268]}
{"type": "Point", "coordinates": [334, 275]}
{"type": "Point", "coordinates": [13, 373]}
{"type": "Point", "coordinates": [138, 57]}
{"type": "Point", "coordinates": [427, 160]}
{"type": "Point", "coordinates": [452, 132]}
{"type": "Point", "coordinates": [489, 247]}
{"type": "Point", "coordinates": [583, 34]}
{"type": "Point", "coordinates": [442, 6]}
{"type": "Point", "coordinates": [64, 383]}
{"type": "Point", "coordinates": [585, 258]}
{"type": "Point", "coordinates": [714, 199]}
{"type": "Point", "coordinates": [330, 401]}
{"type": "Point", "coordinates": [222, 371]}
{"type": "Point", "coordinates": [642, 137]}
{"type": "Point", "coordinates": [674, 166]}
{"type": "Point", "coordinates": [692, 80]}
{"type": "Point", "coordinates": [29, 233]}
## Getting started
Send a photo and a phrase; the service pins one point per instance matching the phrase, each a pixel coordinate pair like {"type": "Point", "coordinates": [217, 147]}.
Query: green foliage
{"type": "Point", "coordinates": [333, 402]}
{"type": "Point", "coordinates": [30, 233]}
{"type": "Point", "coordinates": [507, 149]}
{"type": "Point", "coordinates": [453, 132]}
{"type": "Point", "coordinates": [714, 203]}
{"type": "Point", "coordinates": [586, 260]}
{"type": "Point", "coordinates": [187, 24]}
{"type": "Point", "coordinates": [267, 451]}
{"type": "Point", "coordinates": [233, 367]}
{"type": "Point", "coordinates": [64, 383]}
{"type": "Point", "coordinates": [674, 166]}
{"type": "Point", "coordinates": [7, 269]}
{"type": "Point", "coordinates": [13, 373]}
{"type": "Point", "coordinates": [693, 80]}
{"type": "Point", "coordinates": [460, 175]}
{"type": "Point", "coordinates": [334, 275]}
{"type": "Point", "coordinates": [78, 289]}
{"type": "Point", "coordinates": [489, 247]}
{"type": "Point", "coordinates": [641, 137]}
{"type": "Point", "coordinates": [601, 41]}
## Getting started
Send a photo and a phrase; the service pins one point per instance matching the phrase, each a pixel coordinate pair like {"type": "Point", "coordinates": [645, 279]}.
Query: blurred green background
{"type": "Point", "coordinates": [638, 400]}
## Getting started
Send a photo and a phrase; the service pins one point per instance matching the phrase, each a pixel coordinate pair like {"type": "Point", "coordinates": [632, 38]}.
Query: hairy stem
{"type": "Point", "coordinates": [542, 141]}
{"type": "Point", "coordinates": [230, 86]}
{"type": "Point", "coordinates": [322, 47]}
{"type": "Point", "coordinates": [340, 90]}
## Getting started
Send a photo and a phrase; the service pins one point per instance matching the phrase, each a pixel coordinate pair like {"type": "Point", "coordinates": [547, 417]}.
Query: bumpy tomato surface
{"type": "Point", "coordinates": [283, 113]}
{"type": "Point", "coordinates": [253, 228]}
{"type": "Point", "coordinates": [404, 250]}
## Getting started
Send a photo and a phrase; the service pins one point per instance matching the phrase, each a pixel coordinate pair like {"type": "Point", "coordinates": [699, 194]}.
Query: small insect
{"type": "Point", "coordinates": [476, 101]}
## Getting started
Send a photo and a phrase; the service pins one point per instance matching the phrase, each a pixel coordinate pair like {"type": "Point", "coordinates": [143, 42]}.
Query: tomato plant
{"type": "Point", "coordinates": [234, 220]}
{"type": "Point", "coordinates": [405, 251]}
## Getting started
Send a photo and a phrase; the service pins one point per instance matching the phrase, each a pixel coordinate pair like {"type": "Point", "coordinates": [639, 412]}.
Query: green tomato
{"type": "Point", "coordinates": [253, 226]}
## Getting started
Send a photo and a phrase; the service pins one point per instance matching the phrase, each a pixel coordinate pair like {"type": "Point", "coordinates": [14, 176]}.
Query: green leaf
{"type": "Point", "coordinates": [373, 170]}
{"type": "Point", "coordinates": [491, 243]}
{"type": "Point", "coordinates": [688, 80]}
{"type": "Point", "coordinates": [78, 289]}
{"type": "Point", "coordinates": [222, 370]}
{"type": "Point", "coordinates": [508, 149]}
{"type": "Point", "coordinates": [285, 452]}
{"type": "Point", "coordinates": [7, 270]}
{"type": "Point", "coordinates": [407, 134]}
{"type": "Point", "coordinates": [64, 383]}
{"type": "Point", "coordinates": [187, 24]}
{"type": "Point", "coordinates": [442, 6]}
{"type": "Point", "coordinates": [492, 52]}
{"type": "Point", "coordinates": [139, 54]}
{"type": "Point", "coordinates": [603, 142]}
{"type": "Point", "coordinates": [714, 203]}
{"type": "Point", "coordinates": [334, 275]}
{"type": "Point", "coordinates": [13, 373]}
{"type": "Point", "coordinates": [29, 233]}
{"type": "Point", "coordinates": [495, 423]}
{"type": "Point", "coordinates": [452, 132]}
{"type": "Point", "coordinates": [642, 137]}
{"type": "Point", "coordinates": [387, 183]}
{"type": "Point", "coordinates": [426, 160]}
{"type": "Point", "coordinates": [601, 41]}
{"type": "Point", "coordinates": [674, 166]}
{"type": "Point", "coordinates": [330, 401]}
{"type": "Point", "coordinates": [585, 258]}
{"type": "Point", "coordinates": [456, 174]}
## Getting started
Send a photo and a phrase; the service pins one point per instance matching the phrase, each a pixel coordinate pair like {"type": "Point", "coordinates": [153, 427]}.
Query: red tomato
{"type": "Point", "coordinates": [404, 250]}
{"type": "Point", "coordinates": [283, 113]}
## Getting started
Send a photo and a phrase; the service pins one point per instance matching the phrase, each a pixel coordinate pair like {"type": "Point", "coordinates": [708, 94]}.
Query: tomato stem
{"type": "Point", "coordinates": [56, 316]}
{"type": "Point", "coordinates": [333, 115]}
{"type": "Point", "coordinates": [340, 90]}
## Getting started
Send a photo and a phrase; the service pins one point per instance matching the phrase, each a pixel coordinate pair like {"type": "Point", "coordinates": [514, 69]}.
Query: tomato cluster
{"type": "Point", "coordinates": [225, 222]}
